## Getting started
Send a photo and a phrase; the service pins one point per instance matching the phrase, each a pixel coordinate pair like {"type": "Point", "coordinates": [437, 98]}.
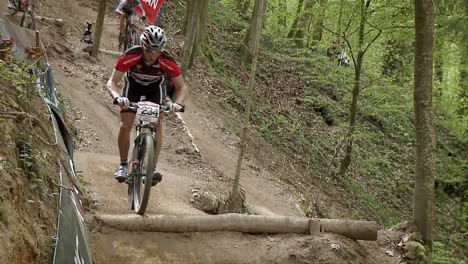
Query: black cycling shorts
{"type": "Point", "coordinates": [136, 92]}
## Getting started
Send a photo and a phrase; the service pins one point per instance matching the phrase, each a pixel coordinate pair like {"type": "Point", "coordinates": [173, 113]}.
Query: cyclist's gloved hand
{"type": "Point", "coordinates": [143, 19]}
{"type": "Point", "coordinates": [175, 107]}
{"type": "Point", "coordinates": [122, 101]}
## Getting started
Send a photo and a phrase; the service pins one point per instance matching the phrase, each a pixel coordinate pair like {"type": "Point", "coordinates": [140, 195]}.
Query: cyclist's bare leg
{"type": "Point", "coordinates": [157, 146]}
{"type": "Point", "coordinates": [121, 22]}
{"type": "Point", "coordinates": [121, 15]}
{"type": "Point", "coordinates": [126, 125]}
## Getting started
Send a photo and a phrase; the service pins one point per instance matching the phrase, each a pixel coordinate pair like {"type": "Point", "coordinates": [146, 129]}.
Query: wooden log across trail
{"type": "Point", "coordinates": [56, 21]}
{"type": "Point", "coordinates": [361, 230]}
{"type": "Point", "coordinates": [110, 52]}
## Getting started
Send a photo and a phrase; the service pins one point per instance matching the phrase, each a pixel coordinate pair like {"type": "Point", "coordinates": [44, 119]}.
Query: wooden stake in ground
{"type": "Point", "coordinates": [99, 25]}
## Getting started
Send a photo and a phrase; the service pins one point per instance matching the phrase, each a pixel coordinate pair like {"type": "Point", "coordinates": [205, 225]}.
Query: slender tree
{"type": "Point", "coordinates": [282, 7]}
{"type": "Point", "coordinates": [292, 31]}
{"type": "Point", "coordinates": [305, 20]}
{"type": "Point", "coordinates": [358, 63]}
{"type": "Point", "coordinates": [99, 24]}
{"type": "Point", "coordinates": [318, 25]}
{"type": "Point", "coordinates": [424, 118]}
{"type": "Point", "coordinates": [463, 83]}
{"type": "Point", "coordinates": [340, 20]}
{"type": "Point", "coordinates": [250, 37]}
{"type": "Point", "coordinates": [188, 4]}
{"type": "Point", "coordinates": [242, 6]}
{"type": "Point", "coordinates": [195, 33]}
{"type": "Point", "coordinates": [236, 200]}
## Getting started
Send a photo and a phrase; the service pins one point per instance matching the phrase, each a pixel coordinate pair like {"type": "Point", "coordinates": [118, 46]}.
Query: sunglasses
{"type": "Point", "coordinates": [153, 50]}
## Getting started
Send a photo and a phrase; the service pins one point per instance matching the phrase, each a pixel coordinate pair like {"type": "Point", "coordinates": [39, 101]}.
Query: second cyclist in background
{"type": "Point", "coordinates": [15, 5]}
{"type": "Point", "coordinates": [125, 8]}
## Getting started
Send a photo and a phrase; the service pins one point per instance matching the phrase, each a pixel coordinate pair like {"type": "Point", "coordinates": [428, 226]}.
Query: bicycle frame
{"type": "Point", "coordinates": [27, 7]}
{"type": "Point", "coordinates": [140, 178]}
{"type": "Point", "coordinates": [130, 33]}
{"type": "Point", "coordinates": [142, 162]}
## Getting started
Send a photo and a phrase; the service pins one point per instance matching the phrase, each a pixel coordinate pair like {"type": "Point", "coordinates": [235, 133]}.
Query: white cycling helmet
{"type": "Point", "coordinates": [153, 37]}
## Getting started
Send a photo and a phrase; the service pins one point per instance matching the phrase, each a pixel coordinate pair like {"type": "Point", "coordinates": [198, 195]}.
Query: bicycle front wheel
{"type": "Point", "coordinates": [143, 178]}
{"type": "Point", "coordinates": [27, 21]}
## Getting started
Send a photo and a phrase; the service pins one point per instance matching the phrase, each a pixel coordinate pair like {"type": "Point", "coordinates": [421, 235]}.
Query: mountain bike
{"type": "Point", "coordinates": [131, 34]}
{"type": "Point", "coordinates": [142, 164]}
{"type": "Point", "coordinates": [27, 7]}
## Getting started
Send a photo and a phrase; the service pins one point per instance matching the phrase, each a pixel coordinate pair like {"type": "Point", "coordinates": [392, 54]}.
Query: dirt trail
{"type": "Point", "coordinates": [81, 82]}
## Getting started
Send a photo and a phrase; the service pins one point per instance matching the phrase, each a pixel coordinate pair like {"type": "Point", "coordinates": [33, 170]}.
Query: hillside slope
{"type": "Point", "coordinates": [272, 186]}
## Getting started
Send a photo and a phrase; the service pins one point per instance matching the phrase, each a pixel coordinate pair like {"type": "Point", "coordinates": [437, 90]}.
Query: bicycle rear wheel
{"type": "Point", "coordinates": [28, 21]}
{"type": "Point", "coordinates": [143, 177]}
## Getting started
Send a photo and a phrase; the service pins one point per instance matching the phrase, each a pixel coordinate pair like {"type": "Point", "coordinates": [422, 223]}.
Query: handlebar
{"type": "Point", "coordinates": [134, 106]}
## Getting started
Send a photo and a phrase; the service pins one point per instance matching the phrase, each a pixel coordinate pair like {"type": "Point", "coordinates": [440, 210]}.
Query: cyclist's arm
{"type": "Point", "coordinates": [112, 86]}
{"type": "Point", "coordinates": [181, 89]}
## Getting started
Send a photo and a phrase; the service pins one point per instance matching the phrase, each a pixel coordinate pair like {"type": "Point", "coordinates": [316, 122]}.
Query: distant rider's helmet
{"type": "Point", "coordinates": [153, 37]}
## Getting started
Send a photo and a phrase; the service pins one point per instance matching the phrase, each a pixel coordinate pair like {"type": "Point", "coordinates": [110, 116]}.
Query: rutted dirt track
{"type": "Point", "coordinates": [81, 82]}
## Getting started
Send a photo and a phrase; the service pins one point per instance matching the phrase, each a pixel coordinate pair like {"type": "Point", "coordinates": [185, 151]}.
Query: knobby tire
{"type": "Point", "coordinates": [142, 188]}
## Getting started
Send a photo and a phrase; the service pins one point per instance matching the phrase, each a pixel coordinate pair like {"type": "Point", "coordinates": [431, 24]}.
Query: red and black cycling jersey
{"type": "Point", "coordinates": [132, 63]}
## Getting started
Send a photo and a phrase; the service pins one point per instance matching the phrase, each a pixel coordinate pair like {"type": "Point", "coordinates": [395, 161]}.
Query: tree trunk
{"type": "Point", "coordinates": [282, 8]}
{"type": "Point", "coordinates": [242, 6]}
{"type": "Point", "coordinates": [250, 37]}
{"type": "Point", "coordinates": [292, 32]}
{"type": "Point", "coordinates": [356, 90]}
{"type": "Point", "coordinates": [237, 196]}
{"type": "Point", "coordinates": [439, 59]}
{"type": "Point", "coordinates": [306, 19]}
{"type": "Point", "coordinates": [318, 25]}
{"type": "Point", "coordinates": [424, 118]}
{"type": "Point", "coordinates": [99, 25]}
{"type": "Point", "coordinates": [202, 36]}
{"type": "Point", "coordinates": [340, 18]}
{"type": "Point", "coordinates": [463, 94]}
{"type": "Point", "coordinates": [196, 32]}
{"type": "Point", "coordinates": [188, 7]}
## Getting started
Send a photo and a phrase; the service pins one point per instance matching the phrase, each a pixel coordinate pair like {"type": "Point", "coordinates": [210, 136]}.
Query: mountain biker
{"type": "Point", "coordinates": [125, 8]}
{"type": "Point", "coordinates": [144, 68]}
{"type": "Point", "coordinates": [13, 6]}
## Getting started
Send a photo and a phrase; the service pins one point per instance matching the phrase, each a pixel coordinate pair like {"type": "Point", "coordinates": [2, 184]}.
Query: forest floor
{"type": "Point", "coordinates": [81, 83]}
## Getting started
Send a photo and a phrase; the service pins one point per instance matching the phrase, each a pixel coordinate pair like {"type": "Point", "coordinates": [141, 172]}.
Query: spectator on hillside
{"type": "Point", "coordinates": [334, 50]}
{"type": "Point", "coordinates": [343, 56]}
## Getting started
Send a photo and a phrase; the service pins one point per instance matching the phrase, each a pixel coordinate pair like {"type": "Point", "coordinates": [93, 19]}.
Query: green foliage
{"type": "Point", "coordinates": [443, 254]}
{"type": "Point", "coordinates": [447, 99]}
{"type": "Point", "coordinates": [222, 15]}
{"type": "Point", "coordinates": [238, 89]}
{"type": "Point", "coordinates": [367, 205]}
{"type": "Point", "coordinates": [215, 60]}
{"type": "Point", "coordinates": [380, 182]}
